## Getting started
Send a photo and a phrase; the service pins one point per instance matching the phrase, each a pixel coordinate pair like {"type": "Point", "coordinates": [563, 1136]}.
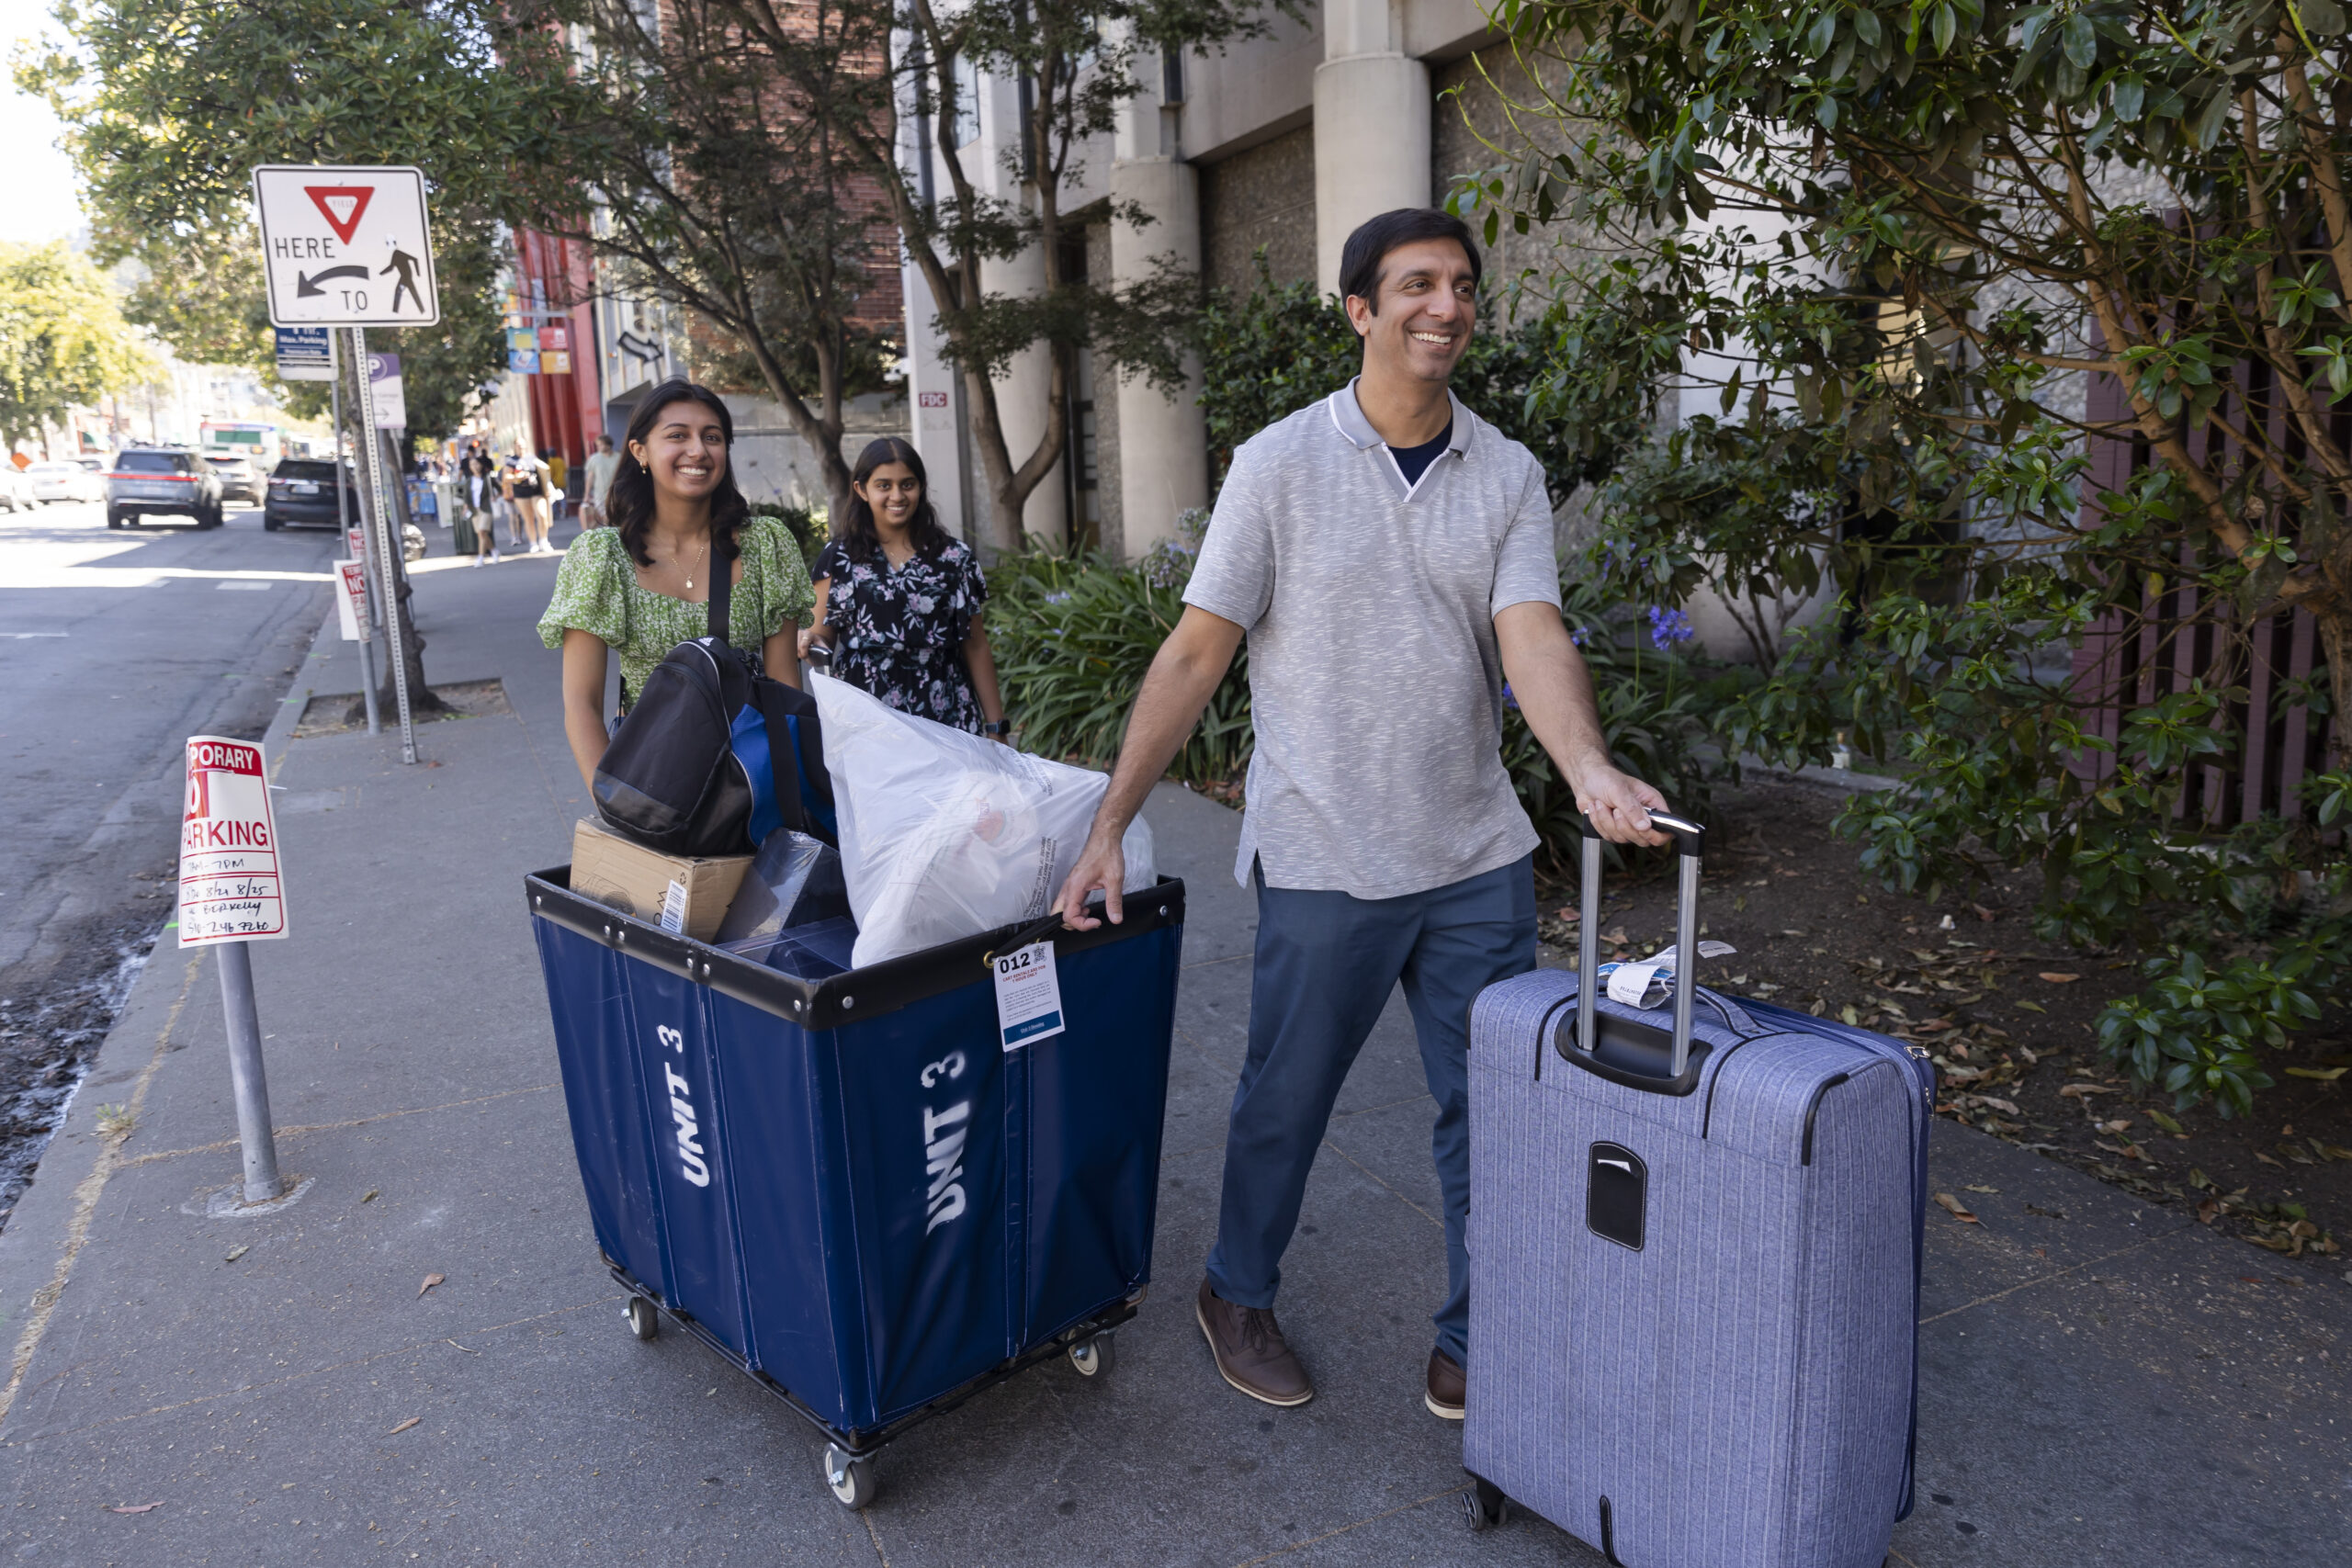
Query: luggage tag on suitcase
{"type": "Point", "coordinates": [1647, 984]}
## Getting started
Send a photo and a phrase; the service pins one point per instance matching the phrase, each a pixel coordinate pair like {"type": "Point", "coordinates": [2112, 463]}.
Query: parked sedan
{"type": "Point", "coordinates": [15, 489]}
{"type": "Point", "coordinates": [301, 492]}
{"type": "Point", "coordinates": [146, 479]}
{"type": "Point", "coordinates": [239, 479]}
{"type": "Point", "coordinates": [65, 481]}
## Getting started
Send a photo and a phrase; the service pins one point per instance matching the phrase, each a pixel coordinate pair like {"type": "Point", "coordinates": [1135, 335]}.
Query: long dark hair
{"type": "Point", "coordinates": [854, 529]}
{"type": "Point", "coordinates": [629, 503]}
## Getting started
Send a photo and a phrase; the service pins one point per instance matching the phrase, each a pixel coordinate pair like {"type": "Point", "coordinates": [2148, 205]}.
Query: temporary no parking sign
{"type": "Point", "coordinates": [229, 886]}
{"type": "Point", "coordinates": [346, 245]}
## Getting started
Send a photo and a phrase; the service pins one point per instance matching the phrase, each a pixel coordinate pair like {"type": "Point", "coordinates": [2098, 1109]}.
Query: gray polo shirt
{"type": "Point", "coordinates": [1375, 688]}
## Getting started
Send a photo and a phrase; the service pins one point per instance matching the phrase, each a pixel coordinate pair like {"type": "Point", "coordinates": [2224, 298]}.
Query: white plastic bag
{"type": "Point", "coordinates": [946, 835]}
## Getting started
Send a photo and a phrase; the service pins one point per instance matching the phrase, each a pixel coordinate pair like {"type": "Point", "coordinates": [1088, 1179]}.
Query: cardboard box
{"type": "Point", "coordinates": [638, 881]}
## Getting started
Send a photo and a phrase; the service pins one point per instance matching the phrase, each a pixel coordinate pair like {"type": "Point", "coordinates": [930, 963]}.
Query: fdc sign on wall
{"type": "Point", "coordinates": [345, 247]}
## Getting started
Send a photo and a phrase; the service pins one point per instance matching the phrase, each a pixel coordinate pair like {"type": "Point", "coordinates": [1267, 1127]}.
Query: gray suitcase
{"type": "Point", "coordinates": [1694, 1266]}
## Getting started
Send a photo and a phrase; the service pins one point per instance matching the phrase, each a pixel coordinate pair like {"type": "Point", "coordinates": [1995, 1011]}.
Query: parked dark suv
{"type": "Point", "coordinates": [301, 491]}
{"type": "Point", "coordinates": [162, 478]}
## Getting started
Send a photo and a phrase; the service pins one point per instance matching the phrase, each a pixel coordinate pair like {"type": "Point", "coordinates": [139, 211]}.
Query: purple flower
{"type": "Point", "coordinates": [1509, 701]}
{"type": "Point", "coordinates": [1060, 598]}
{"type": "Point", "coordinates": [1668, 627]}
{"type": "Point", "coordinates": [1578, 635]}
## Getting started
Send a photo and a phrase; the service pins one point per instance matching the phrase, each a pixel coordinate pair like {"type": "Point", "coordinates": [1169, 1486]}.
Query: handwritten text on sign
{"type": "Point", "coordinates": [229, 889]}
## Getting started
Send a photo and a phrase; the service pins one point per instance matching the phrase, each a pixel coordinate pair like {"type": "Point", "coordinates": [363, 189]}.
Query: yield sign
{"type": "Point", "coordinates": [341, 206]}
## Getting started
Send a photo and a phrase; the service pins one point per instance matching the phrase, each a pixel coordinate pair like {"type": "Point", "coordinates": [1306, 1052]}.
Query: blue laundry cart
{"type": "Point", "coordinates": [843, 1180]}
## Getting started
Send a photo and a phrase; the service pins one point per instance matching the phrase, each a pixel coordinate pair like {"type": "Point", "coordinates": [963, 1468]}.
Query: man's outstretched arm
{"type": "Point", "coordinates": [1183, 676]}
{"type": "Point", "coordinates": [1554, 689]}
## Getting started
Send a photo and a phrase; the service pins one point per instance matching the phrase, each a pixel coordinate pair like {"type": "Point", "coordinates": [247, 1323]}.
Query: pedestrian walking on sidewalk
{"type": "Point", "coordinates": [527, 488]}
{"type": "Point", "coordinates": [478, 498]}
{"type": "Point", "coordinates": [1389, 556]}
{"type": "Point", "coordinates": [602, 464]}
{"type": "Point", "coordinates": [898, 602]}
{"type": "Point", "coordinates": [642, 586]}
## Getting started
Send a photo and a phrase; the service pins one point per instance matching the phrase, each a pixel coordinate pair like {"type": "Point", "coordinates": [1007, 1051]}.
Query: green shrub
{"type": "Point", "coordinates": [1073, 636]}
{"type": "Point", "coordinates": [809, 525]}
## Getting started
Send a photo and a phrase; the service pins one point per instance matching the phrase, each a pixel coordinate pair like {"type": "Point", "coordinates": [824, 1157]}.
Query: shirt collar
{"type": "Point", "coordinates": [1346, 415]}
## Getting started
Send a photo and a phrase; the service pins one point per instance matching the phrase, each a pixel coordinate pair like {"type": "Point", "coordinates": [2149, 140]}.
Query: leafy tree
{"type": "Point", "coordinates": [1076, 62]}
{"type": "Point", "coordinates": [711, 177]}
{"type": "Point", "coordinates": [1896, 240]}
{"type": "Point", "coordinates": [170, 104]}
{"type": "Point", "coordinates": [62, 339]}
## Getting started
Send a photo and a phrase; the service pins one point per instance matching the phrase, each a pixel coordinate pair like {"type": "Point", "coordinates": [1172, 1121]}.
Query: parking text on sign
{"type": "Point", "coordinates": [229, 886]}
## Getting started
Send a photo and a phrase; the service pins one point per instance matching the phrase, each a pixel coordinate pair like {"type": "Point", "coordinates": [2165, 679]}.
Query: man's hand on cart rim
{"type": "Point", "coordinates": [1619, 805]}
{"type": "Point", "coordinates": [1101, 866]}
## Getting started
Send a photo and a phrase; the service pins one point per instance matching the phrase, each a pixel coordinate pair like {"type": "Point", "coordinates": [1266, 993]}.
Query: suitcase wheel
{"type": "Point", "coordinates": [851, 1479]}
{"type": "Point", "coordinates": [1092, 1357]}
{"type": "Point", "coordinates": [1483, 1506]}
{"type": "Point", "coordinates": [644, 1318]}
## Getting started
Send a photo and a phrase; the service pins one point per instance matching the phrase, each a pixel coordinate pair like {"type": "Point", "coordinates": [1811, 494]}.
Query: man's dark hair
{"type": "Point", "coordinates": [1361, 257]}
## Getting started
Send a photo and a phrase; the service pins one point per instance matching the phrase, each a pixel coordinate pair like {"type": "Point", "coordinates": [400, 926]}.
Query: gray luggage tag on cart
{"type": "Point", "coordinates": [1028, 995]}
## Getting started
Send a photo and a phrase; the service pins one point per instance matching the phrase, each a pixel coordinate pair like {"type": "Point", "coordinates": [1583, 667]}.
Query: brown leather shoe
{"type": "Point", "coordinates": [1250, 1350]}
{"type": "Point", "coordinates": [1448, 1387]}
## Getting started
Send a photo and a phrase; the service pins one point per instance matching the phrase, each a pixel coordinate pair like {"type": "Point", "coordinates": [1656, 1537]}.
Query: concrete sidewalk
{"type": "Point", "coordinates": [2105, 1383]}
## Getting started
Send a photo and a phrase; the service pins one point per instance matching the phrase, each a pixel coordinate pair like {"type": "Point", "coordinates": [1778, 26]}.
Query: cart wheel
{"type": "Point", "coordinates": [851, 1479]}
{"type": "Point", "coordinates": [1094, 1356]}
{"type": "Point", "coordinates": [644, 1317]}
{"type": "Point", "coordinates": [1483, 1506]}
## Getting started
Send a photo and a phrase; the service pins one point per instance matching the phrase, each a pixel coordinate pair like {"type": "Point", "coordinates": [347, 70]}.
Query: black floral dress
{"type": "Point", "coordinates": [899, 631]}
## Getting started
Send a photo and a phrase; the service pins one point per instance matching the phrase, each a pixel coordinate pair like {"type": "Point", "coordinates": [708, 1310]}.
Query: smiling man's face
{"type": "Point", "coordinates": [1429, 306]}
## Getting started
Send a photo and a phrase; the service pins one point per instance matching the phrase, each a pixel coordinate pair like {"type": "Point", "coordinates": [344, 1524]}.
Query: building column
{"type": "Point", "coordinates": [1163, 439]}
{"type": "Point", "coordinates": [1371, 126]}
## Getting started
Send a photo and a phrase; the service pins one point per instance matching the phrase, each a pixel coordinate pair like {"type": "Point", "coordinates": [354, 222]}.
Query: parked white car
{"type": "Point", "coordinates": [65, 481]}
{"type": "Point", "coordinates": [15, 489]}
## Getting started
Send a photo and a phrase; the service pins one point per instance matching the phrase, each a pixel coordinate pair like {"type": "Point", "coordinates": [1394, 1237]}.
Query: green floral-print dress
{"type": "Point", "coordinates": [596, 590]}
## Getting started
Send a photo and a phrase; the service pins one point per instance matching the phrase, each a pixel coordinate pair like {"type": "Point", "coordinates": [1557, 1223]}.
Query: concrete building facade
{"type": "Point", "coordinates": [1281, 144]}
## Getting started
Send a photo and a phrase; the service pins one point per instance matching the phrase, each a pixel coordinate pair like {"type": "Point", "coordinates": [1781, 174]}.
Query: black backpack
{"type": "Point", "coordinates": [712, 756]}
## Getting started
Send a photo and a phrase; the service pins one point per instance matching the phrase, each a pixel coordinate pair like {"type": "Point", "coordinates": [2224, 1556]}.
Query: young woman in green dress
{"type": "Point", "coordinates": [642, 586]}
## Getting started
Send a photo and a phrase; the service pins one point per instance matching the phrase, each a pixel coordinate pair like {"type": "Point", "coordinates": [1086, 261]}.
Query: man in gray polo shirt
{"type": "Point", "coordinates": [1389, 556]}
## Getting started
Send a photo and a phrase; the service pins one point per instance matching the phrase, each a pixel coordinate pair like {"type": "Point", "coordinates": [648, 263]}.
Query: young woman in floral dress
{"type": "Point", "coordinates": [898, 602]}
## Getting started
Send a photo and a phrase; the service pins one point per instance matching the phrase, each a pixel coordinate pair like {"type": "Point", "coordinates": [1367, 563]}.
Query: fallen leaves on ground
{"type": "Point", "coordinates": [1957, 1210]}
{"type": "Point", "coordinates": [131, 1507]}
{"type": "Point", "coordinates": [2055, 978]}
{"type": "Point", "coordinates": [234, 1253]}
{"type": "Point", "coordinates": [404, 1426]}
{"type": "Point", "coordinates": [431, 1280]}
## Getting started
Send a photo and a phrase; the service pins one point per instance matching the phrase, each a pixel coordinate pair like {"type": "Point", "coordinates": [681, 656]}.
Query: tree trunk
{"type": "Point", "coordinates": [420, 699]}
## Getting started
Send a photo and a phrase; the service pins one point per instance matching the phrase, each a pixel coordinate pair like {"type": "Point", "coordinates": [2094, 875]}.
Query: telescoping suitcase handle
{"type": "Point", "coordinates": [1690, 845]}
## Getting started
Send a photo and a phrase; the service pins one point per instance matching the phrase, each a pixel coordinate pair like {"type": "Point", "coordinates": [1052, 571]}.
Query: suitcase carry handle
{"type": "Point", "coordinates": [1690, 844]}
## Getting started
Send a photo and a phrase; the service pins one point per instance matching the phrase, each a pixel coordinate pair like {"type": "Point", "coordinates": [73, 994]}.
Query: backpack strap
{"type": "Point", "coordinates": [722, 588]}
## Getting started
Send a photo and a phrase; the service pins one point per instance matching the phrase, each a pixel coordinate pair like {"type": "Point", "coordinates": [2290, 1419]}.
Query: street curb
{"type": "Point", "coordinates": [280, 733]}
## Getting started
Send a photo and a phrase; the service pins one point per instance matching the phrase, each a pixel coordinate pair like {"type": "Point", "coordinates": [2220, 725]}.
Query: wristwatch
{"type": "Point", "coordinates": [1001, 726]}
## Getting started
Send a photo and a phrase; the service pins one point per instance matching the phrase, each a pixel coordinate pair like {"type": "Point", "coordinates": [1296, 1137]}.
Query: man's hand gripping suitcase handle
{"type": "Point", "coordinates": [1690, 844]}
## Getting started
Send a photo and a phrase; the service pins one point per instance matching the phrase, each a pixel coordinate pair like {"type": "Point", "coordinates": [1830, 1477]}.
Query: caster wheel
{"type": "Point", "coordinates": [1483, 1506]}
{"type": "Point", "coordinates": [644, 1317]}
{"type": "Point", "coordinates": [851, 1479]}
{"type": "Point", "coordinates": [1094, 1356]}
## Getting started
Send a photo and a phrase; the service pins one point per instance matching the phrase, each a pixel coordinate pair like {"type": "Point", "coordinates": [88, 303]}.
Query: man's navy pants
{"type": "Point", "coordinates": [1326, 964]}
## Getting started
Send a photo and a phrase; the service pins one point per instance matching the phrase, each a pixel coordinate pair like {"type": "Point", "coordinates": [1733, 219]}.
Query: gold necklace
{"type": "Point", "coordinates": [698, 560]}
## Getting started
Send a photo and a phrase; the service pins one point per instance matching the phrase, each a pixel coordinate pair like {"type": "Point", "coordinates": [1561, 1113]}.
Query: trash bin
{"type": "Point", "coordinates": [841, 1180]}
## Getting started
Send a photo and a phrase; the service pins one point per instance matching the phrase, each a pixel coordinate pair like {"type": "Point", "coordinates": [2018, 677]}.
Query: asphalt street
{"type": "Point", "coordinates": [115, 647]}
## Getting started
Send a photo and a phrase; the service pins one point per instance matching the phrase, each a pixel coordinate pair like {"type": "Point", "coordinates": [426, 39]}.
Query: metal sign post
{"type": "Point", "coordinates": [232, 894]}
{"type": "Point", "coordinates": [343, 527]}
{"type": "Point", "coordinates": [376, 504]}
